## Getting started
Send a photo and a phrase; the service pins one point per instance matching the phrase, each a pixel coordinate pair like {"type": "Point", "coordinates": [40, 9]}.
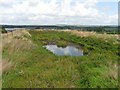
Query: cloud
{"type": "Point", "coordinates": [53, 12]}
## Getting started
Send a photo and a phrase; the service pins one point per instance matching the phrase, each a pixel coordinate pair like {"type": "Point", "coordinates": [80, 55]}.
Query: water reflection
{"type": "Point", "coordinates": [69, 50]}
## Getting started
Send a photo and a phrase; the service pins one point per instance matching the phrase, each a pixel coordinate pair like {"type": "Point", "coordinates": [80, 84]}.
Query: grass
{"type": "Point", "coordinates": [33, 66]}
{"type": "Point", "coordinates": [62, 43]}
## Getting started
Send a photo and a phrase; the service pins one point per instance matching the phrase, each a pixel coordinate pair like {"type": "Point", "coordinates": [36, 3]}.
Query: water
{"type": "Point", "coordinates": [67, 51]}
{"type": "Point", "coordinates": [9, 29]}
{"type": "Point", "coordinates": [12, 29]}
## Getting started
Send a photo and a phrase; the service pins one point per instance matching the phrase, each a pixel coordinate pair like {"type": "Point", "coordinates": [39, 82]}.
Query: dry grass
{"type": "Point", "coordinates": [105, 37]}
{"type": "Point", "coordinates": [81, 33]}
{"type": "Point", "coordinates": [13, 42]}
{"type": "Point", "coordinates": [19, 34]}
{"type": "Point", "coordinates": [5, 65]}
{"type": "Point", "coordinates": [88, 33]}
{"type": "Point", "coordinates": [36, 66]}
{"type": "Point", "coordinates": [112, 72]}
{"type": "Point", "coordinates": [17, 40]}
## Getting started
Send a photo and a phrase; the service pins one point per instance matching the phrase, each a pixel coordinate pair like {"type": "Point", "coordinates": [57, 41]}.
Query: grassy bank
{"type": "Point", "coordinates": [31, 65]}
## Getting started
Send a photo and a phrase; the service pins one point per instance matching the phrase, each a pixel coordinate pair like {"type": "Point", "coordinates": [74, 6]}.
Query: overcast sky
{"type": "Point", "coordinates": [72, 12]}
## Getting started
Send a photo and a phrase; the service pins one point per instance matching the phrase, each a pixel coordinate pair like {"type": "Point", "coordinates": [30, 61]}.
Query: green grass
{"type": "Point", "coordinates": [38, 67]}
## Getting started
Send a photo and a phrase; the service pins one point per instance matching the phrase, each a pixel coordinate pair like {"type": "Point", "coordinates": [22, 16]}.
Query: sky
{"type": "Point", "coordinates": [54, 12]}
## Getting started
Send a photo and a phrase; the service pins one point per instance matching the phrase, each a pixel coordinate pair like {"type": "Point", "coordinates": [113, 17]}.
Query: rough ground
{"type": "Point", "coordinates": [15, 40]}
{"type": "Point", "coordinates": [88, 33]}
{"type": "Point", "coordinates": [33, 68]}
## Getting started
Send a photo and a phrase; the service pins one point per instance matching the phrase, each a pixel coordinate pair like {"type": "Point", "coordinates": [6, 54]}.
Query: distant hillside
{"type": "Point", "coordinates": [107, 29]}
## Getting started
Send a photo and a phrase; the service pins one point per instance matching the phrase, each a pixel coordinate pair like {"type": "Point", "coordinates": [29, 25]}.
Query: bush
{"type": "Point", "coordinates": [62, 44]}
{"type": "Point", "coordinates": [3, 30]}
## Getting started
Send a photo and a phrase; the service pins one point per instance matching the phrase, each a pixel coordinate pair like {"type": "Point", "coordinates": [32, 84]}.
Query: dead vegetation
{"type": "Point", "coordinates": [112, 71]}
{"type": "Point", "coordinates": [39, 68]}
{"type": "Point", "coordinates": [87, 34]}
{"type": "Point", "coordinates": [81, 33]}
{"type": "Point", "coordinates": [13, 42]}
{"type": "Point", "coordinates": [6, 65]}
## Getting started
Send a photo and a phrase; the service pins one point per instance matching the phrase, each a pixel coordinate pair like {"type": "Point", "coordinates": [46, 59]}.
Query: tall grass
{"type": "Point", "coordinates": [37, 67]}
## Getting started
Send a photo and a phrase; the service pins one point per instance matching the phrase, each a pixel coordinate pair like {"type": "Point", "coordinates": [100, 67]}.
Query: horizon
{"type": "Point", "coordinates": [52, 25]}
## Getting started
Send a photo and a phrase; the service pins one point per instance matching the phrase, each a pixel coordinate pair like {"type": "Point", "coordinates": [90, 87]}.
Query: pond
{"type": "Point", "coordinates": [67, 51]}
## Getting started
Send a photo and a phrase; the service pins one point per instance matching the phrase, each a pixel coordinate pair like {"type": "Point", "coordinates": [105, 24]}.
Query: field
{"type": "Point", "coordinates": [27, 64]}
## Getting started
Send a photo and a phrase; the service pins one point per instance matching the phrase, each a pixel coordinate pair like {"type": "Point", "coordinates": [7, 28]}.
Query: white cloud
{"type": "Point", "coordinates": [53, 12]}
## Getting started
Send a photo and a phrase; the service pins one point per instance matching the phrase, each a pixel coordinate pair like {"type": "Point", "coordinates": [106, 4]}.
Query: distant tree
{"type": "Point", "coordinates": [3, 30]}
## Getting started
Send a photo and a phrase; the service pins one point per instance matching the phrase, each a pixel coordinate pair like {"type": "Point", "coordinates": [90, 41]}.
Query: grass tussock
{"type": "Point", "coordinates": [94, 34]}
{"type": "Point", "coordinates": [14, 46]}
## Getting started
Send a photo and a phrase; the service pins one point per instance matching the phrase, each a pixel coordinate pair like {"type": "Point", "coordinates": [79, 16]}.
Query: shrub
{"type": "Point", "coordinates": [62, 44]}
{"type": "Point", "coordinates": [3, 30]}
